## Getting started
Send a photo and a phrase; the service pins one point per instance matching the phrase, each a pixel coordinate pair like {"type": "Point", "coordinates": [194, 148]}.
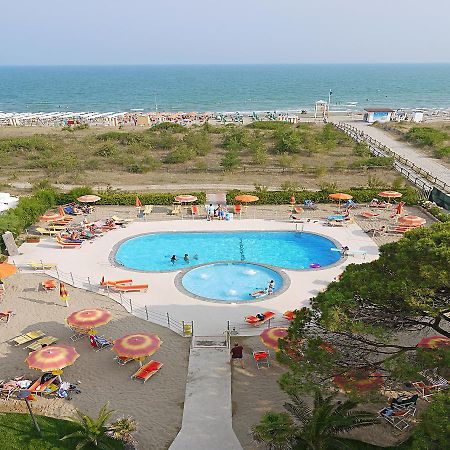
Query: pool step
{"type": "Point", "coordinates": [209, 342]}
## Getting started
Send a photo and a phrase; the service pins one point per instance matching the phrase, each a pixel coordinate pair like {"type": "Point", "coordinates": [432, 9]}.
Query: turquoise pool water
{"type": "Point", "coordinates": [231, 282]}
{"type": "Point", "coordinates": [284, 249]}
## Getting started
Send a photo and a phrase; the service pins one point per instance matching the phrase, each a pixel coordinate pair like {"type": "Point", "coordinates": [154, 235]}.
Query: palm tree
{"type": "Point", "coordinates": [92, 432]}
{"type": "Point", "coordinates": [123, 429]}
{"type": "Point", "coordinates": [320, 428]}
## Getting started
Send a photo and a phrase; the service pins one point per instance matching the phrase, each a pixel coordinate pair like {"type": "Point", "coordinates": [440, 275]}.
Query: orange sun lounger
{"type": "Point", "coordinates": [114, 283]}
{"type": "Point", "coordinates": [289, 315]}
{"type": "Point", "coordinates": [63, 244]}
{"type": "Point", "coordinates": [253, 320]}
{"type": "Point", "coordinates": [147, 371]}
{"type": "Point", "coordinates": [130, 287]}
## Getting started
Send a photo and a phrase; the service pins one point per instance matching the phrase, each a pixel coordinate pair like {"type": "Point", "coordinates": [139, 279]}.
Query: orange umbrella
{"type": "Point", "coordinates": [7, 269]}
{"type": "Point", "coordinates": [138, 202]}
{"type": "Point", "coordinates": [361, 380]}
{"type": "Point", "coordinates": [52, 217]}
{"type": "Point", "coordinates": [88, 198]}
{"type": "Point", "coordinates": [340, 196]}
{"type": "Point", "coordinates": [51, 358]}
{"type": "Point", "coordinates": [245, 198]}
{"type": "Point", "coordinates": [412, 221]}
{"type": "Point", "coordinates": [270, 336]}
{"type": "Point", "coordinates": [89, 318]}
{"type": "Point", "coordinates": [434, 342]}
{"type": "Point", "coordinates": [389, 194]}
{"type": "Point", "coordinates": [137, 345]}
{"type": "Point", "coordinates": [185, 198]}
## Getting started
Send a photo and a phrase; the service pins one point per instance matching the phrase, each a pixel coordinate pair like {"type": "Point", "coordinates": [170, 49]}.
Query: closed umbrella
{"type": "Point", "coordinates": [137, 345]}
{"type": "Point", "coordinates": [434, 342]}
{"type": "Point", "coordinates": [412, 221]}
{"type": "Point", "coordinates": [51, 358]}
{"type": "Point", "coordinates": [270, 336]}
{"type": "Point", "coordinates": [63, 294]}
{"type": "Point", "coordinates": [89, 318]}
{"type": "Point", "coordinates": [7, 270]}
{"type": "Point", "coordinates": [88, 198]}
{"type": "Point", "coordinates": [138, 202]}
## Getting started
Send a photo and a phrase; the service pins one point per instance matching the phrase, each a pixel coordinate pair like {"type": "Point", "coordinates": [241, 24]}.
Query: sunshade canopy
{"type": "Point", "coordinates": [434, 342]}
{"type": "Point", "coordinates": [53, 357]}
{"type": "Point", "coordinates": [270, 336]}
{"type": "Point", "coordinates": [7, 269]}
{"type": "Point", "coordinates": [360, 380]}
{"type": "Point", "coordinates": [412, 221]}
{"type": "Point", "coordinates": [52, 217]}
{"type": "Point", "coordinates": [390, 194]}
{"type": "Point", "coordinates": [89, 318]}
{"type": "Point", "coordinates": [246, 198]}
{"type": "Point", "coordinates": [340, 196]}
{"type": "Point", "coordinates": [137, 345]}
{"type": "Point", "coordinates": [185, 198]}
{"type": "Point", "coordinates": [88, 198]}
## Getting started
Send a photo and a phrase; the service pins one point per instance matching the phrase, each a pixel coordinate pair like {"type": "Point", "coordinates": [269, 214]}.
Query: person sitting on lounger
{"type": "Point", "coordinates": [344, 250]}
{"type": "Point", "coordinates": [260, 316]}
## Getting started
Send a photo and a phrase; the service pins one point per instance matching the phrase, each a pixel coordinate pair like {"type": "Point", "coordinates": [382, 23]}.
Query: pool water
{"type": "Point", "coordinates": [230, 282]}
{"type": "Point", "coordinates": [285, 249]}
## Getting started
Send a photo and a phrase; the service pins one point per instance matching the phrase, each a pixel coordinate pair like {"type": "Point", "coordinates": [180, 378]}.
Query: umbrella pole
{"type": "Point", "coordinates": [32, 416]}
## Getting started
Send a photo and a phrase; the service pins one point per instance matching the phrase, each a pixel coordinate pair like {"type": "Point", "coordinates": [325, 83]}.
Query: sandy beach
{"type": "Point", "coordinates": [156, 405]}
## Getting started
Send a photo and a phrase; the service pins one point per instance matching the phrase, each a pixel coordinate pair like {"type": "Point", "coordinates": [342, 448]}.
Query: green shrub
{"type": "Point", "coordinates": [442, 152]}
{"type": "Point", "coordinates": [230, 160]}
{"type": "Point", "coordinates": [106, 150]}
{"type": "Point", "coordinates": [123, 138]}
{"type": "Point", "coordinates": [36, 142]}
{"type": "Point", "coordinates": [200, 142]}
{"type": "Point", "coordinates": [236, 139]}
{"type": "Point", "coordinates": [361, 149]}
{"type": "Point", "coordinates": [166, 140]}
{"type": "Point", "coordinates": [169, 126]}
{"type": "Point", "coordinates": [266, 125]}
{"type": "Point", "coordinates": [426, 136]}
{"type": "Point", "coordinates": [439, 214]}
{"type": "Point", "coordinates": [287, 140]}
{"type": "Point", "coordinates": [374, 161]}
{"type": "Point", "coordinates": [180, 154]}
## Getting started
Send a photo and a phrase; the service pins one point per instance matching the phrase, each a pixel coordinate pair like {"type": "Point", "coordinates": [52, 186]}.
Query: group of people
{"type": "Point", "coordinates": [218, 212]}
{"type": "Point", "coordinates": [186, 258]}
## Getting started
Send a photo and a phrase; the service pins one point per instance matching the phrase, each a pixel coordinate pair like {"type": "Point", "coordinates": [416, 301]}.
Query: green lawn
{"type": "Point", "coordinates": [18, 433]}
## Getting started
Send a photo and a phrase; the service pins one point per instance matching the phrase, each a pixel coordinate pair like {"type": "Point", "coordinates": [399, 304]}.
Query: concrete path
{"type": "Point", "coordinates": [405, 150]}
{"type": "Point", "coordinates": [207, 423]}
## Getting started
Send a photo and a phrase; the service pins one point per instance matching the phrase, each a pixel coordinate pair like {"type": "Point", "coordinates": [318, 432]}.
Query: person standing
{"type": "Point", "coordinates": [237, 353]}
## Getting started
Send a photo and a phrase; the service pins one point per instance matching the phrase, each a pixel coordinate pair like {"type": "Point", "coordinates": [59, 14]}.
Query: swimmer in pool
{"type": "Point", "coordinates": [186, 258]}
{"type": "Point", "coordinates": [270, 287]}
{"type": "Point", "coordinates": [195, 257]}
{"type": "Point", "coordinates": [173, 259]}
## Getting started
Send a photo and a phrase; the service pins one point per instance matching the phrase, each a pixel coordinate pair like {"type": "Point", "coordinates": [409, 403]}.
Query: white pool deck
{"type": "Point", "coordinates": [210, 318]}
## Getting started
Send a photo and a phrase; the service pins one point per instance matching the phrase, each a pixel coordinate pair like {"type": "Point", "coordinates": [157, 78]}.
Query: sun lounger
{"type": "Point", "coordinates": [79, 333]}
{"type": "Point", "coordinates": [405, 402]}
{"type": "Point", "coordinates": [100, 342]}
{"type": "Point", "coordinates": [176, 210]}
{"type": "Point", "coordinates": [350, 252]}
{"type": "Point", "coordinates": [122, 360]}
{"type": "Point", "coordinates": [195, 211]}
{"type": "Point", "coordinates": [65, 244]}
{"type": "Point", "coordinates": [114, 283]}
{"type": "Point", "coordinates": [400, 229]}
{"type": "Point", "coordinates": [368, 215]}
{"type": "Point", "coordinates": [8, 389]}
{"type": "Point", "coordinates": [38, 265]}
{"type": "Point", "coordinates": [38, 388]}
{"type": "Point", "coordinates": [46, 231]}
{"type": "Point", "coordinates": [261, 358]}
{"type": "Point", "coordinates": [426, 391]}
{"type": "Point", "coordinates": [147, 371]}
{"type": "Point", "coordinates": [253, 320]}
{"type": "Point", "coordinates": [289, 315]}
{"type": "Point", "coordinates": [147, 210]}
{"type": "Point", "coordinates": [397, 417]}
{"type": "Point", "coordinates": [27, 337]}
{"type": "Point", "coordinates": [5, 316]}
{"type": "Point", "coordinates": [120, 221]}
{"type": "Point", "coordinates": [43, 342]}
{"type": "Point", "coordinates": [130, 287]}
{"type": "Point", "coordinates": [49, 285]}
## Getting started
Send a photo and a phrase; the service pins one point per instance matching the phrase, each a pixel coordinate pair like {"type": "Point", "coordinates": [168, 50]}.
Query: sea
{"type": "Point", "coordinates": [222, 88]}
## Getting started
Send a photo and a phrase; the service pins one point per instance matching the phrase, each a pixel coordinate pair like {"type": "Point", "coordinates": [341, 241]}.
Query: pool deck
{"type": "Point", "coordinates": [92, 260]}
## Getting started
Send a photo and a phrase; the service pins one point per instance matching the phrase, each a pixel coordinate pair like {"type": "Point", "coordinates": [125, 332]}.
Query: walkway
{"type": "Point", "coordinates": [207, 415]}
{"type": "Point", "coordinates": [405, 150]}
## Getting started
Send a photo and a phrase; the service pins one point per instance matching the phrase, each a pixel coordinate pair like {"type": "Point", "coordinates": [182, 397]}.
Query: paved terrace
{"type": "Point", "coordinates": [92, 260]}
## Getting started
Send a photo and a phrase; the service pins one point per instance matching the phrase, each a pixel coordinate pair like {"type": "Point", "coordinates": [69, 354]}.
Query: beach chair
{"type": "Point", "coordinates": [261, 358]}
{"type": "Point", "coordinates": [65, 244]}
{"type": "Point", "coordinates": [289, 315]}
{"type": "Point", "coordinates": [38, 388]}
{"type": "Point", "coordinates": [397, 417]}
{"type": "Point", "coordinates": [147, 210]}
{"type": "Point", "coordinates": [130, 287]}
{"type": "Point", "coordinates": [8, 389]}
{"type": "Point", "coordinates": [253, 320]}
{"type": "Point", "coordinates": [399, 229]}
{"type": "Point", "coordinates": [176, 210]}
{"type": "Point", "coordinates": [195, 211]}
{"type": "Point", "coordinates": [120, 221]}
{"type": "Point", "coordinates": [49, 285]}
{"type": "Point", "coordinates": [122, 360]}
{"type": "Point", "coordinates": [237, 210]}
{"type": "Point", "coordinates": [78, 333]}
{"type": "Point", "coordinates": [115, 283]}
{"type": "Point", "coordinates": [309, 204]}
{"type": "Point", "coordinates": [100, 342]}
{"type": "Point", "coordinates": [39, 265]}
{"type": "Point", "coordinates": [46, 231]}
{"type": "Point", "coordinates": [147, 371]}
{"type": "Point", "coordinates": [426, 391]}
{"type": "Point", "coordinates": [5, 316]}
{"type": "Point", "coordinates": [43, 342]}
{"type": "Point", "coordinates": [405, 402]}
{"type": "Point", "coordinates": [368, 215]}
{"type": "Point", "coordinates": [27, 337]}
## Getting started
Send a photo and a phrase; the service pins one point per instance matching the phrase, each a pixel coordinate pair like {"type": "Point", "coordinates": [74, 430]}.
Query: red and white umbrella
{"type": "Point", "coordinates": [412, 221]}
{"type": "Point", "coordinates": [88, 198]}
{"type": "Point", "coordinates": [185, 198]}
{"type": "Point", "coordinates": [270, 336]}
{"type": "Point", "coordinates": [434, 342]}
{"type": "Point", "coordinates": [389, 194]}
{"type": "Point", "coordinates": [52, 217]}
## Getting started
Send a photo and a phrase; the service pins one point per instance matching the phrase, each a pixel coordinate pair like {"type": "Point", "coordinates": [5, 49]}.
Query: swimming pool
{"type": "Point", "coordinates": [231, 282]}
{"type": "Point", "coordinates": [284, 249]}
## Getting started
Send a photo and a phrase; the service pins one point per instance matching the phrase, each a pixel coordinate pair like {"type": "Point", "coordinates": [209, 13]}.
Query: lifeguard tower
{"type": "Point", "coordinates": [321, 109]}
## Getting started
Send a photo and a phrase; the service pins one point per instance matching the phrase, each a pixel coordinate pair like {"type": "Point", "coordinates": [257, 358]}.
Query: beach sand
{"type": "Point", "coordinates": [255, 392]}
{"type": "Point", "coordinates": [157, 405]}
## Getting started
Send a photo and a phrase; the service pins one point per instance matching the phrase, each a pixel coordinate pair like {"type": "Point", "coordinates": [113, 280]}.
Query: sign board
{"type": "Point", "coordinates": [10, 244]}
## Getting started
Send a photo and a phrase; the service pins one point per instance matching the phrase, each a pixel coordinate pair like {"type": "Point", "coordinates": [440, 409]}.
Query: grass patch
{"type": "Point", "coordinates": [17, 432]}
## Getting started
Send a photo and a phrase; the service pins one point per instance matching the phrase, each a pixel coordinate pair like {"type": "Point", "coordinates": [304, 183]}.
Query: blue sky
{"type": "Point", "coordinates": [223, 32]}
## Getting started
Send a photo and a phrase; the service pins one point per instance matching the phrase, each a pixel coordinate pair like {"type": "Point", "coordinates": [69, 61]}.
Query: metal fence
{"type": "Point", "coordinates": [420, 177]}
{"type": "Point", "coordinates": [238, 328]}
{"type": "Point", "coordinates": [185, 329]}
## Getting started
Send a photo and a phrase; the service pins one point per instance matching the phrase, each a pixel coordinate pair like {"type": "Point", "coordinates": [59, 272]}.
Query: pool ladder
{"type": "Point", "coordinates": [241, 249]}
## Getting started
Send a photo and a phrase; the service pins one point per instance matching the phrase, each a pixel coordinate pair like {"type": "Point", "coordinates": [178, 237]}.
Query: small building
{"type": "Point", "coordinates": [372, 115]}
{"type": "Point", "coordinates": [417, 116]}
{"type": "Point", "coordinates": [143, 120]}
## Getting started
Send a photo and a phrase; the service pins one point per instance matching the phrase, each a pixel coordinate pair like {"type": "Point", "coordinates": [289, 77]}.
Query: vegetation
{"type": "Point", "coordinates": [323, 427]}
{"type": "Point", "coordinates": [426, 136]}
{"type": "Point", "coordinates": [17, 432]}
{"type": "Point", "coordinates": [407, 289]}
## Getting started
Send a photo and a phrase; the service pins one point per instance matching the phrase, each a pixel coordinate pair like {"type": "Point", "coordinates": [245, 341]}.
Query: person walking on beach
{"type": "Point", "coordinates": [237, 353]}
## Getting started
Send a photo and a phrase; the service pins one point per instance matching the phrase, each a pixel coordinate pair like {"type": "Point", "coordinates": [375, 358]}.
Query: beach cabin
{"type": "Point", "coordinates": [143, 120]}
{"type": "Point", "coordinates": [292, 119]}
{"type": "Point", "coordinates": [417, 116]}
{"type": "Point", "coordinates": [372, 115]}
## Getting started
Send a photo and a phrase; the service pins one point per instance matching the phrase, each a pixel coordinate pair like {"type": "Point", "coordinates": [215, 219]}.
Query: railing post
{"type": "Point", "coordinates": [131, 305]}
{"type": "Point", "coordinates": [89, 281]}
{"type": "Point", "coordinates": [120, 297]}
{"type": "Point", "coordinates": [228, 325]}
{"type": "Point", "coordinates": [71, 276]}
{"type": "Point", "coordinates": [57, 273]}
{"type": "Point", "coordinates": [192, 328]}
{"type": "Point", "coordinates": [168, 320]}
{"type": "Point", "coordinates": [146, 311]}
{"type": "Point", "coordinates": [182, 326]}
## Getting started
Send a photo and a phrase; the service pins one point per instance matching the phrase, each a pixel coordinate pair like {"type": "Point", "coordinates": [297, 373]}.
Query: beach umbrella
{"type": "Point", "coordinates": [88, 198]}
{"type": "Point", "coordinates": [246, 198]}
{"type": "Point", "coordinates": [52, 358]}
{"type": "Point", "coordinates": [340, 196]}
{"type": "Point", "coordinates": [63, 294]}
{"type": "Point", "coordinates": [389, 194]}
{"type": "Point", "coordinates": [185, 198]}
{"type": "Point", "coordinates": [270, 336]}
{"type": "Point", "coordinates": [89, 318]}
{"type": "Point", "coordinates": [7, 270]}
{"type": "Point", "coordinates": [137, 345]}
{"type": "Point", "coordinates": [412, 221]}
{"type": "Point", "coordinates": [138, 202]}
{"type": "Point", "coordinates": [434, 342]}
{"type": "Point", "coordinates": [52, 217]}
{"type": "Point", "coordinates": [360, 380]}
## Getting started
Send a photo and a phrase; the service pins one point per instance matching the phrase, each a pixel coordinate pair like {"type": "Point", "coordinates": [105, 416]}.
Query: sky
{"type": "Point", "coordinates": [55, 32]}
